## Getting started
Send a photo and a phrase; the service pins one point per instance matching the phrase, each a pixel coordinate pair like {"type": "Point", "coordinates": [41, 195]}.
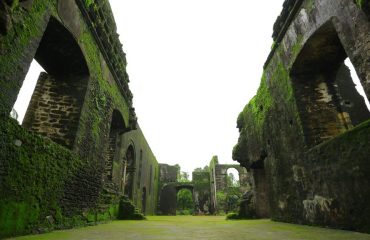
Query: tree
{"type": "Point", "coordinates": [185, 200]}
{"type": "Point", "coordinates": [198, 170]}
{"type": "Point", "coordinates": [221, 201]}
{"type": "Point", "coordinates": [231, 181]}
{"type": "Point", "coordinates": [205, 169]}
{"type": "Point", "coordinates": [183, 177]}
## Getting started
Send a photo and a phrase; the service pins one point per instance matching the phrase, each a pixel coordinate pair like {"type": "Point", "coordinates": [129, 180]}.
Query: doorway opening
{"type": "Point", "coordinates": [184, 202]}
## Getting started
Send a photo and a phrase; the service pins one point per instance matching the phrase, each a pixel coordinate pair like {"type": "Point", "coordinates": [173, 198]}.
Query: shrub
{"type": "Point", "coordinates": [232, 216]}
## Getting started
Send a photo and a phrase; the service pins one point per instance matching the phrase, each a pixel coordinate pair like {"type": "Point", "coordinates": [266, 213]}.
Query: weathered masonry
{"type": "Point", "coordinates": [306, 134]}
{"type": "Point", "coordinates": [168, 188]}
{"type": "Point", "coordinates": [205, 186]}
{"type": "Point", "coordinates": [79, 148]}
{"type": "Point", "coordinates": [218, 182]}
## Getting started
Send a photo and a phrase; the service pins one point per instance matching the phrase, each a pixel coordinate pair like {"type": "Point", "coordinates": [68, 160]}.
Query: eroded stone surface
{"type": "Point", "coordinates": [305, 134]}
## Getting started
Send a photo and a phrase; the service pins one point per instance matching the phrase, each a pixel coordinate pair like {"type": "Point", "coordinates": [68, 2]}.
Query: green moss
{"type": "Point", "coordinates": [88, 2]}
{"type": "Point", "coordinates": [310, 5]}
{"type": "Point", "coordinates": [352, 137]}
{"type": "Point", "coordinates": [26, 28]}
{"type": "Point", "coordinates": [16, 216]}
{"type": "Point", "coordinates": [260, 105]}
{"type": "Point", "coordinates": [273, 45]}
{"type": "Point", "coordinates": [296, 48]}
{"type": "Point", "coordinates": [103, 93]}
{"type": "Point", "coordinates": [127, 211]}
{"type": "Point", "coordinates": [275, 89]}
{"type": "Point", "coordinates": [360, 3]}
{"type": "Point", "coordinates": [36, 170]}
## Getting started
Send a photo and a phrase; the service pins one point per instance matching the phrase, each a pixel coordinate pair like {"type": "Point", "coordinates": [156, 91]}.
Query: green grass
{"type": "Point", "coordinates": [202, 227]}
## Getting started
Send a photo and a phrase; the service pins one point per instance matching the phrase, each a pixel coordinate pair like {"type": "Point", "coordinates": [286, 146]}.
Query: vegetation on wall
{"type": "Point", "coordinates": [34, 171]}
{"type": "Point", "coordinates": [228, 200]}
{"type": "Point", "coordinates": [128, 211]}
{"type": "Point", "coordinates": [40, 181]}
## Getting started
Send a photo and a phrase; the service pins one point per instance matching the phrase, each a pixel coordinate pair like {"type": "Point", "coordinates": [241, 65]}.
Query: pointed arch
{"type": "Point", "coordinates": [55, 107]}
{"type": "Point", "coordinates": [327, 100]}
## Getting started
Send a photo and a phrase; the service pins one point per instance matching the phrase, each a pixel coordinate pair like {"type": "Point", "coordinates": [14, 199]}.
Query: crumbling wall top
{"type": "Point", "coordinates": [99, 16]}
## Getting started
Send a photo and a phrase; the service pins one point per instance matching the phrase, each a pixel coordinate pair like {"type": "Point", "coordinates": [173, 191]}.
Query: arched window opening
{"type": "Point", "coordinates": [130, 172]}
{"type": "Point", "coordinates": [357, 83]}
{"type": "Point", "coordinates": [56, 103]}
{"type": "Point", "coordinates": [232, 177]}
{"type": "Point", "coordinates": [327, 100]}
{"type": "Point", "coordinates": [116, 128]}
{"type": "Point", "coordinates": [26, 91]}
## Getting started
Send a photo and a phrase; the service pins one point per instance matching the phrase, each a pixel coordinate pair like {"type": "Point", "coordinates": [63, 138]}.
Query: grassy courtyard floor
{"type": "Point", "coordinates": [202, 227]}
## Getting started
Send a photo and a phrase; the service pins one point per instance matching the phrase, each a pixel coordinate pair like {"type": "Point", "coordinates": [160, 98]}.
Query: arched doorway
{"type": "Point", "coordinates": [228, 198]}
{"type": "Point", "coordinates": [232, 177]}
{"type": "Point", "coordinates": [168, 197]}
{"type": "Point", "coordinates": [184, 202]}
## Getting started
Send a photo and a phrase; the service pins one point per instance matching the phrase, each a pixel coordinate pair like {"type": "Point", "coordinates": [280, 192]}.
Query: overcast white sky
{"type": "Point", "coordinates": [193, 65]}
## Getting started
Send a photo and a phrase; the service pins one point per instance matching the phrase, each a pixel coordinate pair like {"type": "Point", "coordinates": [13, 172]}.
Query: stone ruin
{"type": "Point", "coordinates": [305, 136]}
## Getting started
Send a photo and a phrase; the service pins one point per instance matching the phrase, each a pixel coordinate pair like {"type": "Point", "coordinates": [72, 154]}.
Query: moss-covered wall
{"type": "Point", "coordinates": [305, 182]}
{"type": "Point", "coordinates": [44, 185]}
{"type": "Point", "coordinates": [33, 174]}
{"type": "Point", "coordinates": [146, 171]}
{"type": "Point", "coordinates": [167, 182]}
{"type": "Point", "coordinates": [35, 182]}
{"type": "Point", "coordinates": [202, 192]}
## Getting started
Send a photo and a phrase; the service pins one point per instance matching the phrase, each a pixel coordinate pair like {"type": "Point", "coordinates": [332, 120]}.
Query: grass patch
{"type": "Point", "coordinates": [199, 227]}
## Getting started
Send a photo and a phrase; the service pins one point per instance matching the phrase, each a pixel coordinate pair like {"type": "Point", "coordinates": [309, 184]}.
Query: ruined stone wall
{"type": "Point", "coordinates": [168, 173]}
{"type": "Point", "coordinates": [53, 113]}
{"type": "Point", "coordinates": [146, 172]}
{"type": "Point", "coordinates": [221, 176]}
{"type": "Point", "coordinates": [219, 184]}
{"type": "Point", "coordinates": [306, 107]}
{"type": "Point", "coordinates": [44, 185]}
{"type": "Point", "coordinates": [202, 192]}
{"type": "Point", "coordinates": [167, 189]}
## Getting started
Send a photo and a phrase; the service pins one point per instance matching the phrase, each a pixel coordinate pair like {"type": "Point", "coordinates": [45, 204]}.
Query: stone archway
{"type": "Point", "coordinates": [168, 197]}
{"type": "Point", "coordinates": [56, 104]}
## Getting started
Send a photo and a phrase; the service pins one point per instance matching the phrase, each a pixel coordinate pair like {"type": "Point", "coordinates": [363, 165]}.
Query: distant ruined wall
{"type": "Point", "coordinates": [146, 172]}
{"type": "Point", "coordinates": [305, 135]}
{"type": "Point", "coordinates": [167, 197]}
{"type": "Point", "coordinates": [202, 192]}
{"type": "Point", "coordinates": [64, 167]}
{"type": "Point", "coordinates": [221, 176]}
{"type": "Point", "coordinates": [218, 181]}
